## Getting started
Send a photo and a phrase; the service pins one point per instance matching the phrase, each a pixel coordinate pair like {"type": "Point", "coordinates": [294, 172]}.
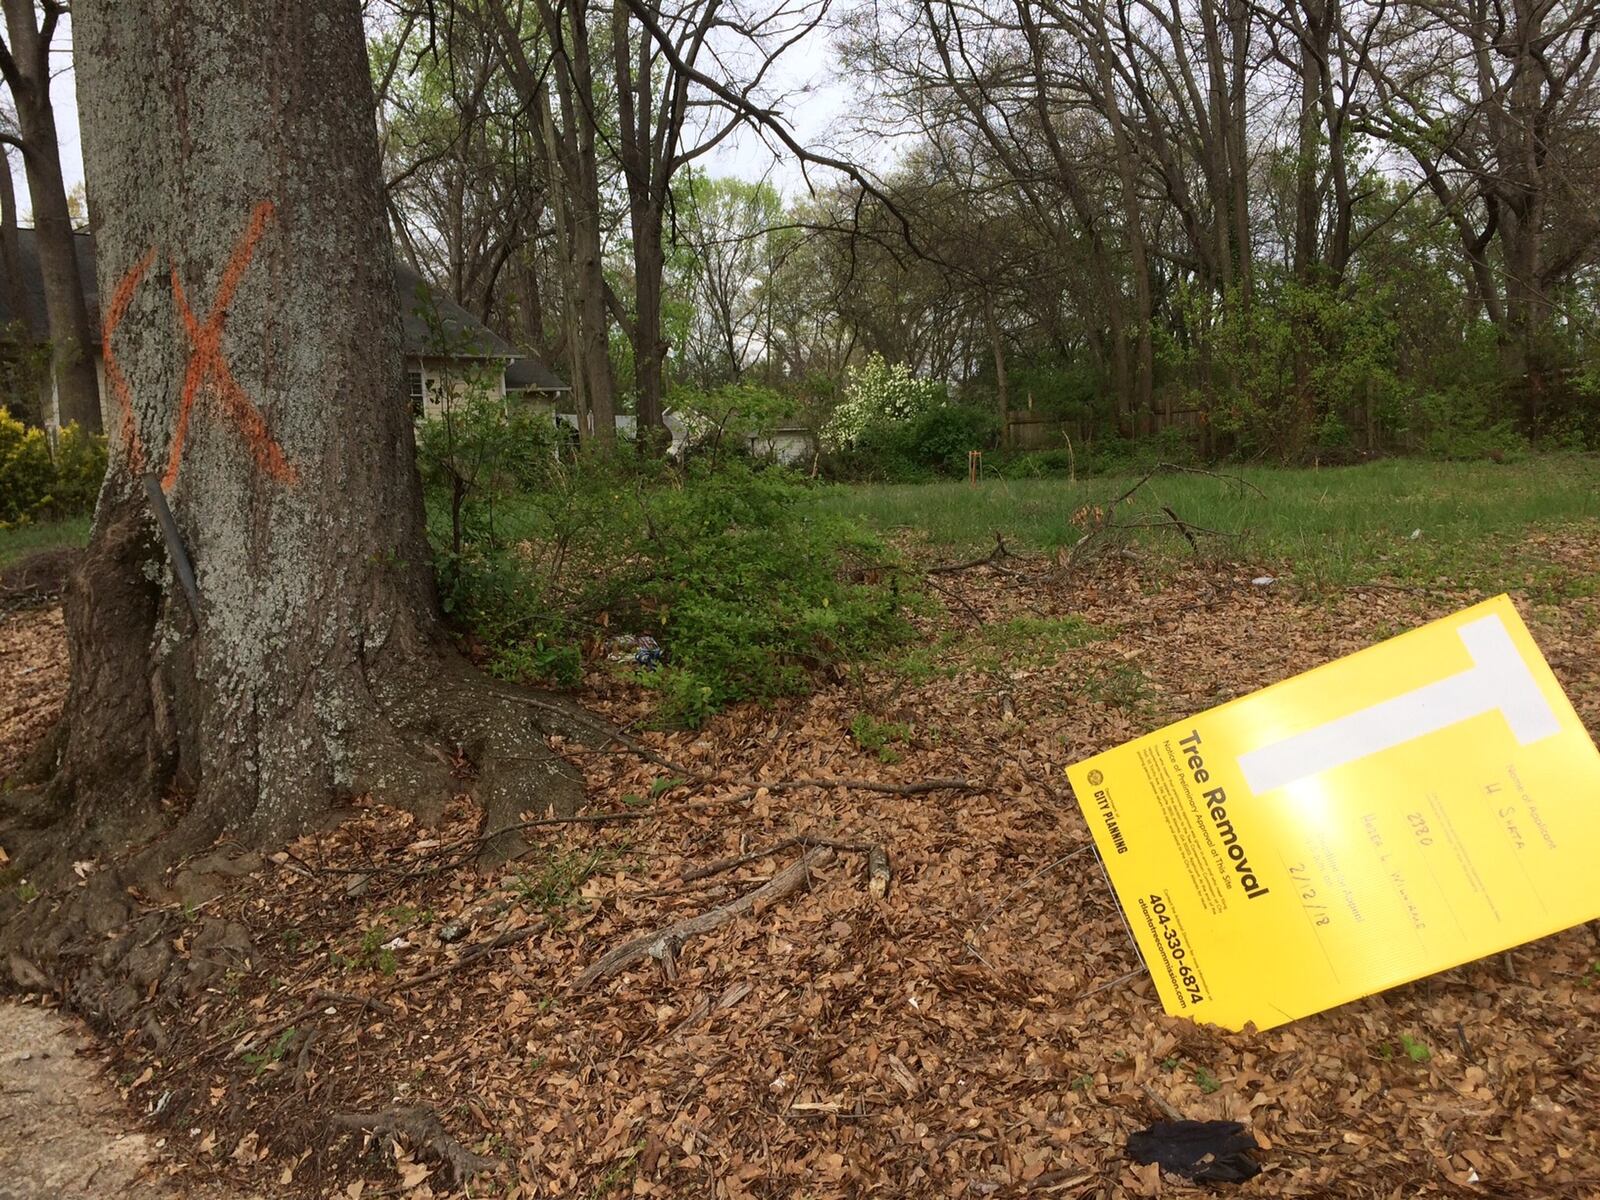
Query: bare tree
{"type": "Point", "coordinates": [25, 68]}
{"type": "Point", "coordinates": [1498, 106]}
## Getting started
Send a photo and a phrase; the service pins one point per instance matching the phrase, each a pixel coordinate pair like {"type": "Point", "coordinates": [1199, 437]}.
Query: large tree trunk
{"type": "Point", "coordinates": [649, 346]}
{"type": "Point", "coordinates": [255, 358]}
{"type": "Point", "coordinates": [71, 361]}
{"type": "Point", "coordinates": [594, 348]}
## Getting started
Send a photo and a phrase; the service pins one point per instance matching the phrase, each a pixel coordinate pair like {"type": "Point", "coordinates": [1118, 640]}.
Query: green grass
{"type": "Point", "coordinates": [23, 540]}
{"type": "Point", "coordinates": [1019, 642]}
{"type": "Point", "coordinates": [1328, 526]}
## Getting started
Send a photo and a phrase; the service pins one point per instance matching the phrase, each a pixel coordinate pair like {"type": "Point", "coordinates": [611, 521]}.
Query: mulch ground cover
{"type": "Point", "coordinates": [982, 1029]}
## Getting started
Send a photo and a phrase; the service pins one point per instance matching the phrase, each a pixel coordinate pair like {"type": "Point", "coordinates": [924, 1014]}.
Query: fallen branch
{"type": "Point", "coordinates": [1178, 469]}
{"type": "Point", "coordinates": [663, 943]}
{"type": "Point", "coordinates": [1105, 523]}
{"type": "Point", "coordinates": [916, 788]}
{"type": "Point", "coordinates": [690, 874]}
{"type": "Point", "coordinates": [423, 1130]}
{"type": "Point", "coordinates": [991, 559]}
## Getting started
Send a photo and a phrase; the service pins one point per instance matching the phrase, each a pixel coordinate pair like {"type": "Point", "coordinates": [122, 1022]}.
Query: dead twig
{"type": "Point", "coordinates": [1123, 978]}
{"type": "Point", "coordinates": [365, 1002]}
{"type": "Point", "coordinates": [425, 1132]}
{"type": "Point", "coordinates": [1029, 881]}
{"type": "Point", "coordinates": [915, 788]}
{"type": "Point", "coordinates": [663, 943]}
{"type": "Point", "coordinates": [991, 559]}
{"type": "Point", "coordinates": [977, 617]}
{"type": "Point", "coordinates": [1161, 1103]}
{"type": "Point", "coordinates": [705, 871]}
{"type": "Point", "coordinates": [476, 954]}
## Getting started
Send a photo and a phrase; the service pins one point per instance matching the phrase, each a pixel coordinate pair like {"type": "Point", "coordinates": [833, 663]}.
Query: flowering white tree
{"type": "Point", "coordinates": [880, 393]}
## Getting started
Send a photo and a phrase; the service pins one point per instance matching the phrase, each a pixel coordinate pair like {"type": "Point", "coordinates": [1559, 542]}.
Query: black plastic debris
{"type": "Point", "coordinates": [1205, 1151]}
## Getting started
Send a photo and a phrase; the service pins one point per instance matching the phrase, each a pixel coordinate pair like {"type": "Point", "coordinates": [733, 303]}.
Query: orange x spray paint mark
{"type": "Point", "coordinates": [207, 365]}
{"type": "Point", "coordinates": [118, 308]}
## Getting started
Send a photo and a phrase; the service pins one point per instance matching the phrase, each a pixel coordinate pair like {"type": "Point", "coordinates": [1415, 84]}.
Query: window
{"type": "Point", "coordinates": [417, 392]}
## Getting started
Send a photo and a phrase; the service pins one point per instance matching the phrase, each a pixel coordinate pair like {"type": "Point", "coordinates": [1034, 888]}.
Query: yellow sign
{"type": "Point", "coordinates": [1414, 806]}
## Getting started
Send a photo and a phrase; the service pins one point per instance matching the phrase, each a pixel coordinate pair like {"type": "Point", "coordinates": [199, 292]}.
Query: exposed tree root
{"type": "Point", "coordinates": [425, 1132]}
{"type": "Point", "coordinates": [663, 943]}
{"type": "Point", "coordinates": [137, 780]}
{"type": "Point", "coordinates": [706, 870]}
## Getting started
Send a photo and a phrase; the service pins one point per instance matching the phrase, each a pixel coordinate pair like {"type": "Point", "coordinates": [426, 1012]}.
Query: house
{"type": "Point", "coordinates": [789, 445]}
{"type": "Point", "coordinates": [530, 380]}
{"type": "Point", "coordinates": [445, 345]}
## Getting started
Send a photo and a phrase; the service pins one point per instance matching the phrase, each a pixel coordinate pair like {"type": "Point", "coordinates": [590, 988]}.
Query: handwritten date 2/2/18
{"type": "Point", "coordinates": [1187, 979]}
{"type": "Point", "coordinates": [1301, 876]}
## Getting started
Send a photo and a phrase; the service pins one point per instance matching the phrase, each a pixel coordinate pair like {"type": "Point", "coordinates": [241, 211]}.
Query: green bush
{"type": "Point", "coordinates": [716, 420]}
{"type": "Point", "coordinates": [80, 462]}
{"type": "Point", "coordinates": [746, 586]}
{"type": "Point", "coordinates": [930, 444]}
{"type": "Point", "coordinates": [478, 451]}
{"type": "Point", "coordinates": [41, 482]}
{"type": "Point", "coordinates": [879, 395]}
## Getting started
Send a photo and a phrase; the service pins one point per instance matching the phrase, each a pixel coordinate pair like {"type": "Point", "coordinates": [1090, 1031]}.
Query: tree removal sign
{"type": "Point", "coordinates": [1414, 806]}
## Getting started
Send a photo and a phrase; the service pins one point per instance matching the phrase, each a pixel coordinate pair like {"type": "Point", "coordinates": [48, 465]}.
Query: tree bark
{"type": "Point", "coordinates": [1002, 390]}
{"type": "Point", "coordinates": [254, 358]}
{"type": "Point", "coordinates": [10, 246]}
{"type": "Point", "coordinates": [573, 149]}
{"type": "Point", "coordinates": [25, 63]}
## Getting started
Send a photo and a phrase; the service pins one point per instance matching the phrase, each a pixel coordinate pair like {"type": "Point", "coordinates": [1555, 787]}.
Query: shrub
{"type": "Point", "coordinates": [745, 585]}
{"type": "Point", "coordinates": [877, 395]}
{"type": "Point", "coordinates": [41, 482]}
{"type": "Point", "coordinates": [717, 419]}
{"type": "Point", "coordinates": [932, 443]}
{"type": "Point", "coordinates": [478, 451]}
{"type": "Point", "coordinates": [80, 464]}
{"type": "Point", "coordinates": [1461, 423]}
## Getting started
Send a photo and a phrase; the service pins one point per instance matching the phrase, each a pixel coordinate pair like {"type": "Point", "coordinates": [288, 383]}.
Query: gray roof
{"type": "Point", "coordinates": [460, 334]}
{"type": "Point", "coordinates": [33, 315]}
{"type": "Point", "coordinates": [463, 334]}
{"type": "Point", "coordinates": [531, 375]}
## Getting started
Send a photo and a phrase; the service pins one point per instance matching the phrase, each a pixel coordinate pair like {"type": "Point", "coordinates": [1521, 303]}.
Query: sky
{"type": "Point", "coordinates": [818, 102]}
{"type": "Point", "coordinates": [64, 96]}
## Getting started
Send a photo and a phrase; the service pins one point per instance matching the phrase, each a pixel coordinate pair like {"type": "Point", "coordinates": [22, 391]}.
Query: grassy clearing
{"type": "Point", "coordinates": [1329, 526]}
{"type": "Point", "coordinates": [23, 540]}
{"type": "Point", "coordinates": [1015, 643]}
